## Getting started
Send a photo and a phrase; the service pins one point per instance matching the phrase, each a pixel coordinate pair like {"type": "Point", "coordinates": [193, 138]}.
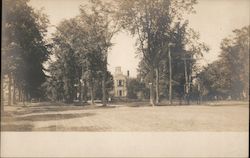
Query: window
{"type": "Point", "coordinates": [119, 82]}
{"type": "Point", "coordinates": [120, 92]}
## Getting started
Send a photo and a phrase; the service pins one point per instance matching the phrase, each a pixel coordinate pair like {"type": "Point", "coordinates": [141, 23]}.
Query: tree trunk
{"type": "Point", "coordinates": [85, 92]}
{"type": "Point", "coordinates": [2, 93]}
{"type": "Point", "coordinates": [19, 94]}
{"type": "Point", "coordinates": [9, 89]}
{"type": "Point", "coordinates": [26, 96]}
{"type": "Point", "coordinates": [180, 100]}
{"type": "Point", "coordinates": [80, 97]}
{"type": "Point", "coordinates": [152, 97]}
{"type": "Point", "coordinates": [170, 76]}
{"type": "Point", "coordinates": [92, 92]}
{"type": "Point", "coordinates": [104, 90]}
{"type": "Point", "coordinates": [23, 97]}
{"type": "Point", "coordinates": [14, 92]}
{"type": "Point", "coordinates": [157, 100]}
{"type": "Point", "coordinates": [29, 97]}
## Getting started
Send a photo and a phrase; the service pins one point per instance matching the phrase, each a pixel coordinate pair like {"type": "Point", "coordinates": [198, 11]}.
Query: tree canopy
{"type": "Point", "coordinates": [81, 44]}
{"type": "Point", "coordinates": [229, 75]}
{"type": "Point", "coordinates": [24, 48]}
{"type": "Point", "coordinates": [160, 27]}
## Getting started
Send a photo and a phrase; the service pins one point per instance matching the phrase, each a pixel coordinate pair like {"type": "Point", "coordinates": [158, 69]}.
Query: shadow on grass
{"type": "Point", "coordinates": [44, 109]}
{"type": "Point", "coordinates": [104, 107]}
{"type": "Point", "coordinates": [24, 123]}
{"type": "Point", "coordinates": [51, 117]}
{"type": "Point", "coordinates": [237, 105]}
{"type": "Point", "coordinates": [132, 104]}
{"type": "Point", "coordinates": [63, 129]}
{"type": "Point", "coordinates": [15, 127]}
{"type": "Point", "coordinates": [30, 127]}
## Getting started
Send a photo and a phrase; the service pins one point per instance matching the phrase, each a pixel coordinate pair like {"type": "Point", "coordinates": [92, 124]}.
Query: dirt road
{"type": "Point", "coordinates": [49, 117]}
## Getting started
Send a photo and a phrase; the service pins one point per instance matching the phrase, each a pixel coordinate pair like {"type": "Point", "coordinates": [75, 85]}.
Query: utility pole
{"type": "Point", "coordinates": [104, 102]}
{"type": "Point", "coordinates": [170, 73]}
{"type": "Point", "coordinates": [186, 87]}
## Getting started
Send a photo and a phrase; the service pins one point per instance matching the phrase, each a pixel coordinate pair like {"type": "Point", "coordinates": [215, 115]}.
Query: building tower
{"type": "Point", "coordinates": [120, 83]}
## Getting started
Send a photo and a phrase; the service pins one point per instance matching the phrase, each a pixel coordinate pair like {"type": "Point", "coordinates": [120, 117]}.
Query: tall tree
{"type": "Point", "coordinates": [24, 46]}
{"type": "Point", "coordinates": [235, 58]}
{"type": "Point", "coordinates": [86, 40]}
{"type": "Point", "coordinates": [229, 75]}
{"type": "Point", "coordinates": [66, 58]}
{"type": "Point", "coordinates": [98, 20]}
{"type": "Point", "coordinates": [157, 24]}
{"type": "Point", "coordinates": [151, 22]}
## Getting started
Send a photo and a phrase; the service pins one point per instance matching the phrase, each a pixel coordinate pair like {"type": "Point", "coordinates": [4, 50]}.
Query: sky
{"type": "Point", "coordinates": [214, 20]}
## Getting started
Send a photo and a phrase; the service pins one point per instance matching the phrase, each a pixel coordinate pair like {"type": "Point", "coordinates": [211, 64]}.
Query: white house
{"type": "Point", "coordinates": [120, 83]}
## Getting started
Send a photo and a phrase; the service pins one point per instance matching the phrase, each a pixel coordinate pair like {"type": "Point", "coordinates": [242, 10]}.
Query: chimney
{"type": "Point", "coordinates": [128, 73]}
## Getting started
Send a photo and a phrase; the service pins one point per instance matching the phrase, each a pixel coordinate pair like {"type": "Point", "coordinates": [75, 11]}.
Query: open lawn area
{"type": "Point", "coordinates": [220, 116]}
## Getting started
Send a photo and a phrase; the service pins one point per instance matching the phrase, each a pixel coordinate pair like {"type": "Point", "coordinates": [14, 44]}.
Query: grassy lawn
{"type": "Point", "coordinates": [214, 116]}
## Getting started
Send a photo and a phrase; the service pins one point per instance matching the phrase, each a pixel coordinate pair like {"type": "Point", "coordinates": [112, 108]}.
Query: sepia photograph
{"type": "Point", "coordinates": [125, 78]}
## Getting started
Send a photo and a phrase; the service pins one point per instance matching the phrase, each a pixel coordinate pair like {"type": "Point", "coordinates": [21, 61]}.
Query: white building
{"type": "Point", "coordinates": [120, 83]}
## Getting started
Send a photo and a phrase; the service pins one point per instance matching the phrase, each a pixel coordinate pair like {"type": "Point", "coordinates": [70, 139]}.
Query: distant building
{"type": "Point", "coordinates": [120, 83]}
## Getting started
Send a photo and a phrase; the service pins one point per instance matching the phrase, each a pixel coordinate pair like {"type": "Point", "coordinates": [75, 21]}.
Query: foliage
{"type": "Point", "coordinates": [135, 87]}
{"type": "Point", "coordinates": [229, 76]}
{"type": "Point", "coordinates": [24, 48]}
{"type": "Point", "coordinates": [82, 44]}
{"type": "Point", "coordinates": [109, 84]}
{"type": "Point", "coordinates": [157, 24]}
